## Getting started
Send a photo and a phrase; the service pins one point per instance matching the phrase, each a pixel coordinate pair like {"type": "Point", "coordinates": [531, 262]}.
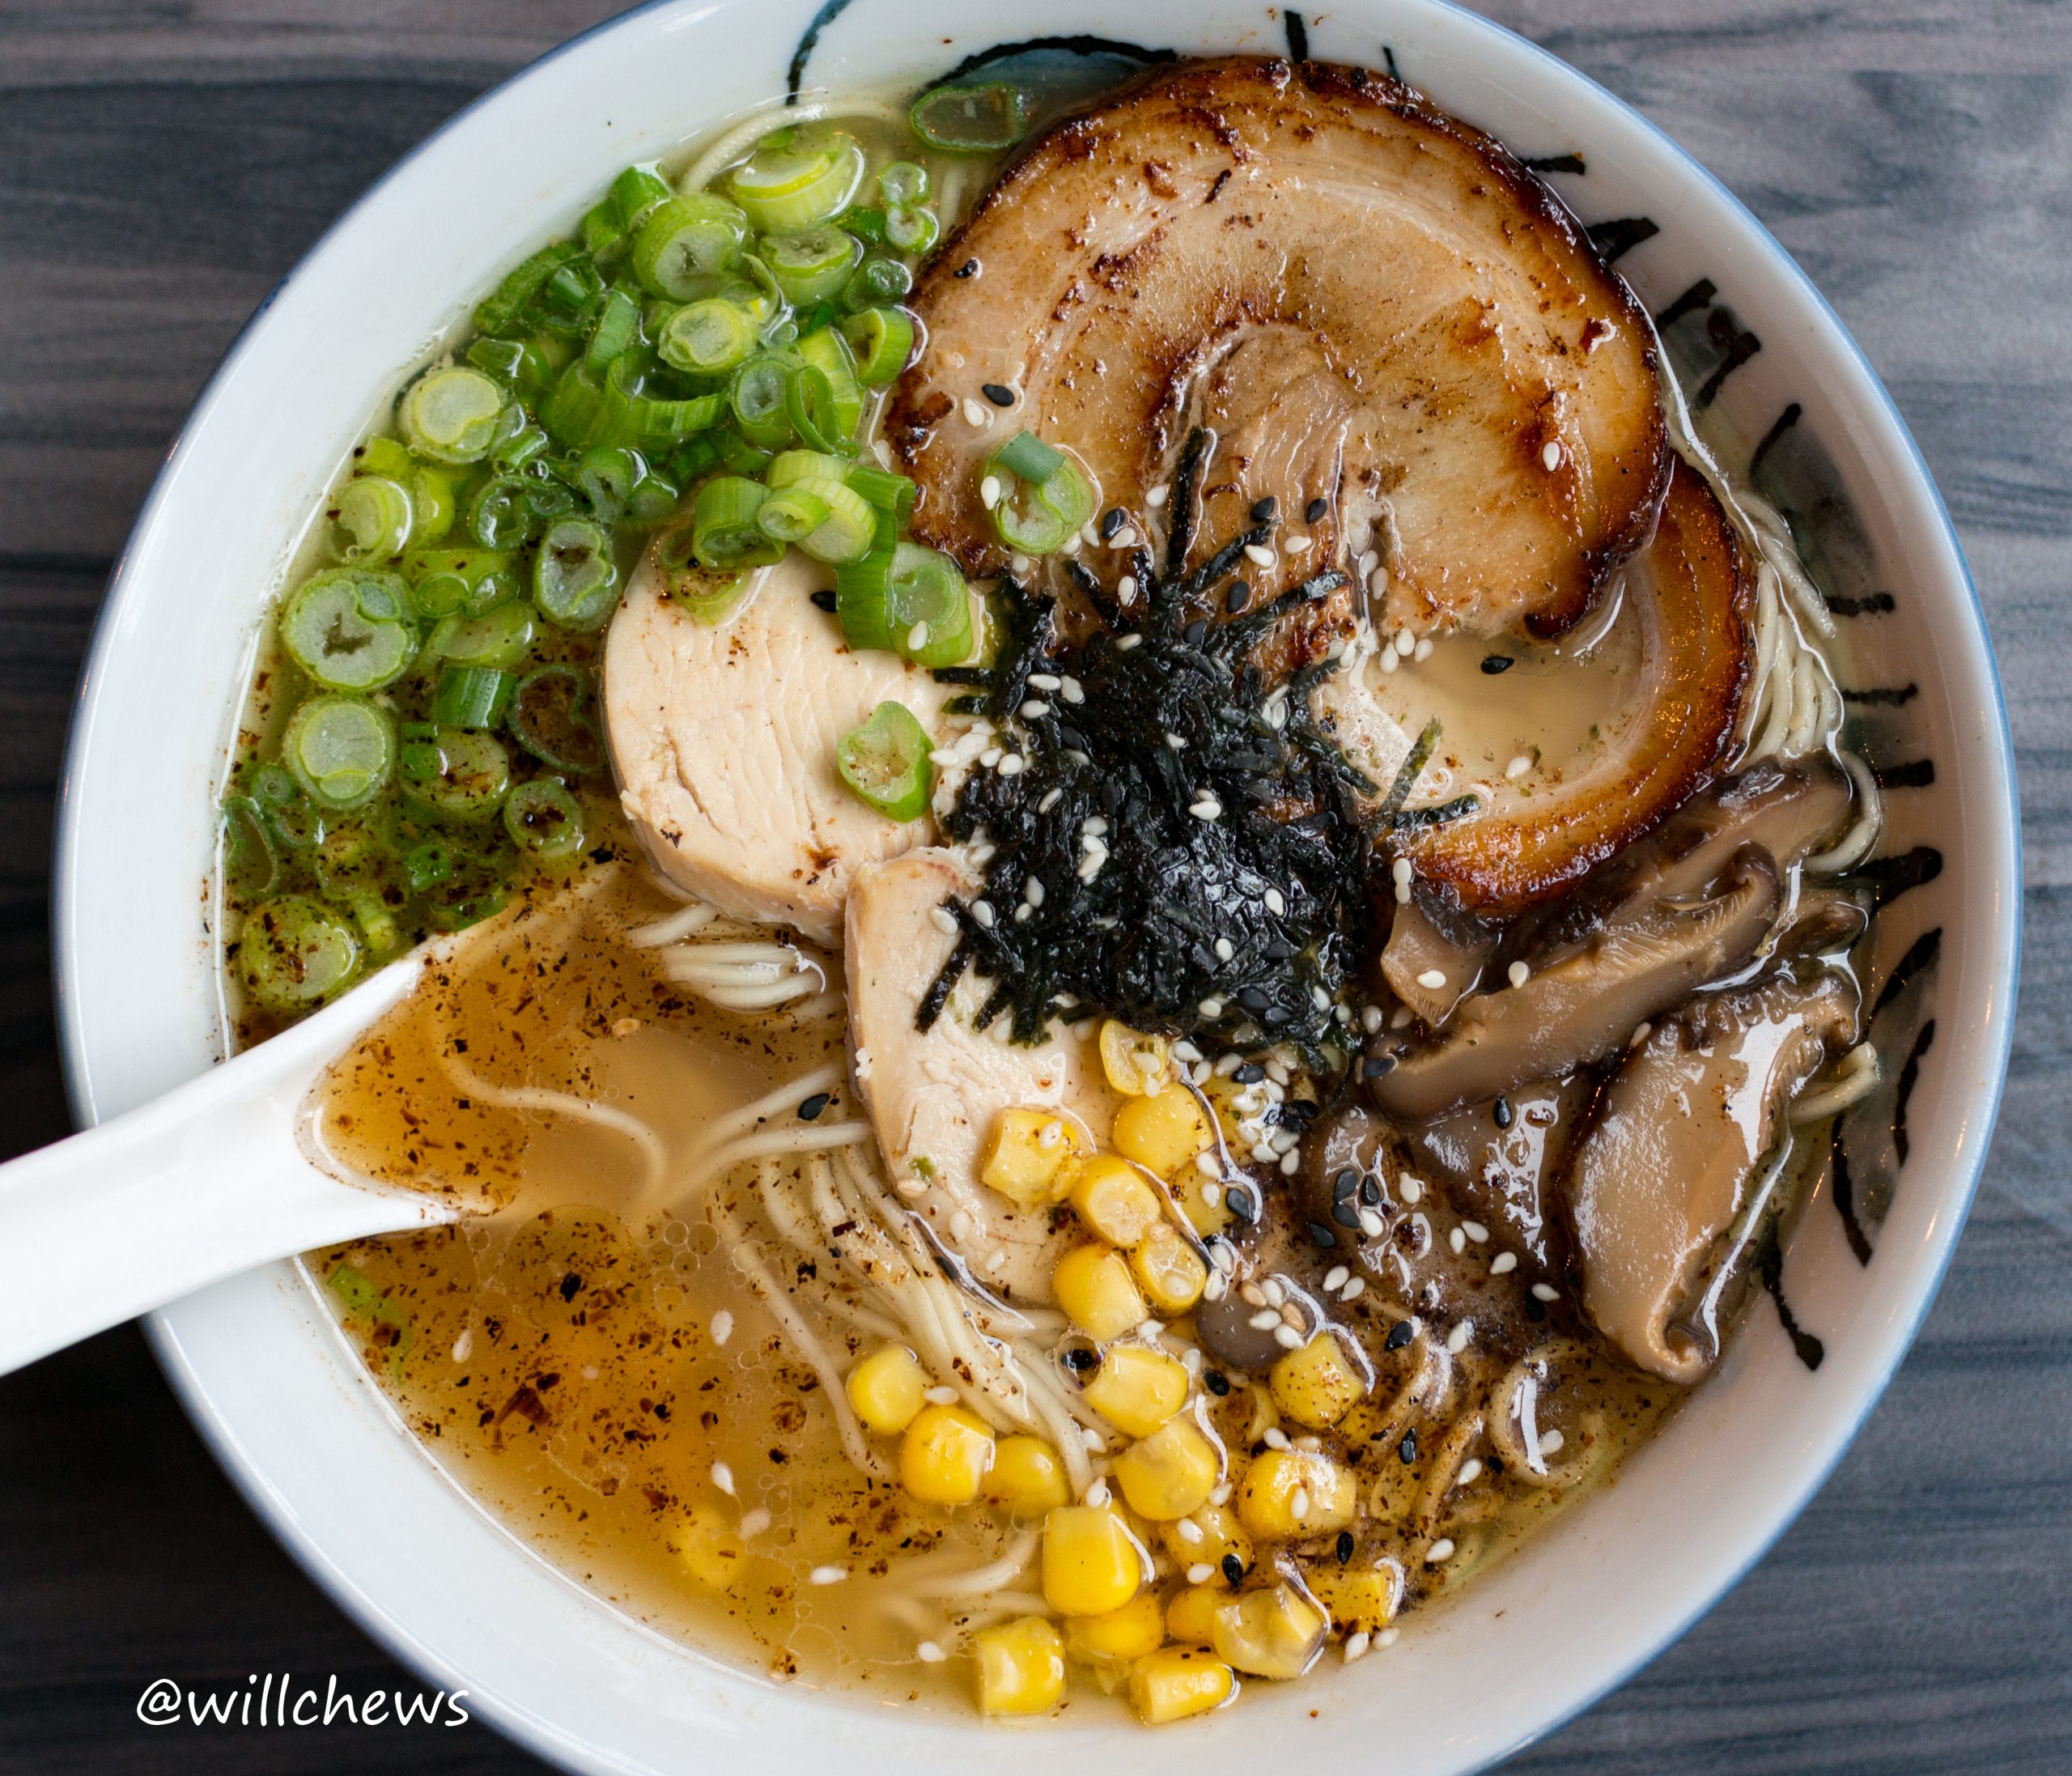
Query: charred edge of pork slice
{"type": "Point", "coordinates": [944, 515]}
{"type": "Point", "coordinates": [1498, 863]}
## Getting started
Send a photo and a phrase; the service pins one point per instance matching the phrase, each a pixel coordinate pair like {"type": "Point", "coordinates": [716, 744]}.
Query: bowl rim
{"type": "Point", "coordinates": [1993, 743]}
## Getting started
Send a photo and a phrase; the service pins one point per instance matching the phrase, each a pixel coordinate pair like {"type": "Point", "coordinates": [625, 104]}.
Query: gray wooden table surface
{"type": "Point", "coordinates": [162, 162]}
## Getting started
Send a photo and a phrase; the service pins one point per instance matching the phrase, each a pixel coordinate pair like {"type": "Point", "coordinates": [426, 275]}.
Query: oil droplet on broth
{"type": "Point", "coordinates": [559, 1354]}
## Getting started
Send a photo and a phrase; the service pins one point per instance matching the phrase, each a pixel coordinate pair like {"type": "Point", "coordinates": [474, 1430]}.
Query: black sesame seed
{"type": "Point", "coordinates": [812, 1107]}
{"type": "Point", "coordinates": [1377, 1066]}
{"type": "Point", "coordinates": [1263, 510]}
{"type": "Point", "coordinates": [1196, 632]}
{"type": "Point", "coordinates": [1493, 664]}
{"type": "Point", "coordinates": [1502, 1112]}
{"type": "Point", "coordinates": [967, 268]}
{"type": "Point", "coordinates": [1535, 1309]}
{"type": "Point", "coordinates": [1233, 1569]}
{"type": "Point", "coordinates": [1112, 520]}
{"type": "Point", "coordinates": [1344, 1549]}
{"type": "Point", "coordinates": [1250, 1074]}
{"type": "Point", "coordinates": [1239, 596]}
{"type": "Point", "coordinates": [1408, 1448]}
{"type": "Point", "coordinates": [825, 600]}
{"type": "Point", "coordinates": [1345, 1183]}
{"type": "Point", "coordinates": [1254, 1000]}
{"type": "Point", "coordinates": [1346, 1214]}
{"type": "Point", "coordinates": [1322, 1235]}
{"type": "Point", "coordinates": [1241, 1205]}
{"type": "Point", "coordinates": [998, 393]}
{"type": "Point", "coordinates": [1110, 793]}
{"type": "Point", "coordinates": [1215, 1382]}
{"type": "Point", "coordinates": [1370, 1190]}
{"type": "Point", "coordinates": [1315, 510]}
{"type": "Point", "coordinates": [1400, 1335]}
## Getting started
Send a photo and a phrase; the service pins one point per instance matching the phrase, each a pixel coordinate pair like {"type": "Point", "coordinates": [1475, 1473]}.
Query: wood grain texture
{"type": "Point", "coordinates": [162, 164]}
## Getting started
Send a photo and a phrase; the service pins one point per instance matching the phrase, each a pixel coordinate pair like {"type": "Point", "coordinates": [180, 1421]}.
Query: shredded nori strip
{"type": "Point", "coordinates": [1134, 935]}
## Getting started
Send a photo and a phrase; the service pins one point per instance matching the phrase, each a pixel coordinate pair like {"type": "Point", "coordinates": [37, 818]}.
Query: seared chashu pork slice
{"type": "Point", "coordinates": [723, 737]}
{"type": "Point", "coordinates": [933, 1099]}
{"type": "Point", "coordinates": [1370, 303]}
{"type": "Point", "coordinates": [1663, 710]}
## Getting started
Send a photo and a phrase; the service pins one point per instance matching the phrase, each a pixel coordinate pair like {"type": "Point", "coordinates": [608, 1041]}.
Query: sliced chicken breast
{"type": "Point", "coordinates": [723, 738]}
{"type": "Point", "coordinates": [933, 1099]}
{"type": "Point", "coordinates": [1387, 321]}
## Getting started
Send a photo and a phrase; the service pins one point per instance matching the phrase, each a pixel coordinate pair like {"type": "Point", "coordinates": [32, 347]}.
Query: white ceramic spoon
{"type": "Point", "coordinates": [214, 1178]}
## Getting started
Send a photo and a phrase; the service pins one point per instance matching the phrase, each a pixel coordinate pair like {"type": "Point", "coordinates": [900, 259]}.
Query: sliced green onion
{"type": "Point", "coordinates": [376, 516]}
{"type": "Point", "coordinates": [468, 580]}
{"type": "Point", "coordinates": [848, 532]}
{"type": "Point", "coordinates": [1027, 458]}
{"type": "Point", "coordinates": [454, 774]}
{"type": "Point", "coordinates": [551, 717]}
{"type": "Point", "coordinates": [892, 496]}
{"type": "Point", "coordinates": [600, 230]}
{"type": "Point", "coordinates": [865, 222]}
{"type": "Point", "coordinates": [452, 414]}
{"type": "Point", "coordinates": [829, 353]}
{"type": "Point", "coordinates": [908, 600]}
{"type": "Point", "coordinates": [618, 326]}
{"type": "Point", "coordinates": [687, 240]}
{"type": "Point", "coordinates": [497, 638]}
{"type": "Point", "coordinates": [249, 859]}
{"type": "Point", "coordinates": [384, 456]}
{"type": "Point", "coordinates": [500, 312]}
{"type": "Point", "coordinates": [464, 910]}
{"type": "Point", "coordinates": [576, 578]}
{"type": "Point", "coordinates": [812, 263]}
{"type": "Point", "coordinates": [809, 469]}
{"type": "Point", "coordinates": [796, 178]}
{"type": "Point", "coordinates": [790, 515]}
{"type": "Point", "coordinates": [637, 417]}
{"type": "Point", "coordinates": [508, 509]}
{"type": "Point", "coordinates": [882, 340]}
{"type": "Point", "coordinates": [885, 762]}
{"type": "Point", "coordinates": [471, 697]}
{"type": "Point", "coordinates": [350, 628]}
{"type": "Point", "coordinates": [503, 358]}
{"type": "Point", "coordinates": [543, 818]}
{"type": "Point", "coordinates": [606, 475]}
{"type": "Point", "coordinates": [431, 503]}
{"type": "Point", "coordinates": [653, 498]}
{"type": "Point", "coordinates": [970, 120]}
{"type": "Point", "coordinates": [635, 194]}
{"type": "Point", "coordinates": [723, 529]}
{"type": "Point", "coordinates": [709, 337]}
{"type": "Point", "coordinates": [756, 396]}
{"type": "Point", "coordinates": [293, 954]}
{"type": "Point", "coordinates": [340, 749]}
{"type": "Point", "coordinates": [876, 283]}
{"type": "Point", "coordinates": [902, 184]}
{"type": "Point", "coordinates": [810, 406]}
{"type": "Point", "coordinates": [738, 456]}
{"type": "Point", "coordinates": [914, 230]}
{"type": "Point", "coordinates": [521, 447]}
{"type": "Point", "coordinates": [426, 865]}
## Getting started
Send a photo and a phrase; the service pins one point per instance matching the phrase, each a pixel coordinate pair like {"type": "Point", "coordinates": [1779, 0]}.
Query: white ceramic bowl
{"type": "Point", "coordinates": [287, 1409]}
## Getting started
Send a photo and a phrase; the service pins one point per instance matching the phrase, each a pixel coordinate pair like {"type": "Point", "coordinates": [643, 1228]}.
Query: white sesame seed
{"type": "Point", "coordinates": [1503, 1264]}
{"type": "Point", "coordinates": [1211, 1007]}
{"type": "Point", "coordinates": [1400, 870]}
{"type": "Point", "coordinates": [1012, 765]}
{"type": "Point", "coordinates": [929, 1653]}
{"type": "Point", "coordinates": [1457, 1339]}
{"type": "Point", "coordinates": [1298, 1503]}
{"type": "Point", "coordinates": [1177, 742]}
{"type": "Point", "coordinates": [1225, 949]}
{"type": "Point", "coordinates": [1457, 1241]}
{"type": "Point", "coordinates": [1123, 644]}
{"type": "Point", "coordinates": [1370, 1019]}
{"type": "Point", "coordinates": [1551, 1443]}
{"type": "Point", "coordinates": [1275, 904]}
{"type": "Point", "coordinates": [1517, 768]}
{"type": "Point", "coordinates": [1440, 1551]}
{"type": "Point", "coordinates": [1096, 1444]}
{"type": "Point", "coordinates": [1035, 707]}
{"type": "Point", "coordinates": [939, 1395]}
{"type": "Point", "coordinates": [1354, 1290]}
{"type": "Point", "coordinates": [1517, 973]}
{"type": "Point", "coordinates": [1432, 979]}
{"type": "Point", "coordinates": [1409, 1188]}
{"type": "Point", "coordinates": [1475, 1231]}
{"type": "Point", "coordinates": [1550, 456]}
{"type": "Point", "coordinates": [1335, 1277]}
{"type": "Point", "coordinates": [754, 1522]}
{"type": "Point", "coordinates": [1072, 690]}
{"type": "Point", "coordinates": [940, 918]}
{"type": "Point", "coordinates": [1276, 1437]}
{"type": "Point", "coordinates": [723, 1478]}
{"type": "Point", "coordinates": [1405, 642]}
{"type": "Point", "coordinates": [1545, 1292]}
{"type": "Point", "coordinates": [977, 413]}
{"type": "Point", "coordinates": [982, 911]}
{"type": "Point", "coordinates": [828, 1575]}
{"type": "Point", "coordinates": [1052, 1134]}
{"type": "Point", "coordinates": [1290, 1164]}
{"type": "Point", "coordinates": [1469, 1469]}
{"type": "Point", "coordinates": [1208, 808]}
{"type": "Point", "coordinates": [1388, 1637]}
{"type": "Point", "coordinates": [1051, 798]}
{"type": "Point", "coordinates": [1257, 556]}
{"type": "Point", "coordinates": [1371, 1223]}
{"type": "Point", "coordinates": [1319, 998]}
{"type": "Point", "coordinates": [1265, 1320]}
{"type": "Point", "coordinates": [723, 1327]}
{"type": "Point", "coordinates": [1297, 545]}
{"type": "Point", "coordinates": [1422, 651]}
{"type": "Point", "coordinates": [1286, 1336]}
{"type": "Point", "coordinates": [1019, 563]}
{"type": "Point", "coordinates": [1356, 1646]}
{"type": "Point", "coordinates": [1097, 1494]}
{"type": "Point", "coordinates": [989, 492]}
{"type": "Point", "coordinates": [1399, 1018]}
{"type": "Point", "coordinates": [1641, 1032]}
{"type": "Point", "coordinates": [1201, 1573]}
{"type": "Point", "coordinates": [990, 757]}
{"type": "Point", "coordinates": [1155, 497]}
{"type": "Point", "coordinates": [1388, 660]}
{"type": "Point", "coordinates": [1125, 587]}
{"type": "Point", "coordinates": [1188, 1530]}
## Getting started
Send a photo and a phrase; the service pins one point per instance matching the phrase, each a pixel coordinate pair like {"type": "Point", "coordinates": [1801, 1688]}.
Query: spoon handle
{"type": "Point", "coordinates": [213, 1179]}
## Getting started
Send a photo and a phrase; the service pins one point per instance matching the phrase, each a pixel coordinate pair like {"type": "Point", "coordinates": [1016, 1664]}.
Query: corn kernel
{"type": "Point", "coordinates": [1287, 1493]}
{"type": "Point", "coordinates": [1094, 1285]}
{"type": "Point", "coordinates": [712, 1551]}
{"type": "Point", "coordinates": [1091, 1562]}
{"type": "Point", "coordinates": [1169, 1271]}
{"type": "Point", "coordinates": [1175, 1682]}
{"type": "Point", "coordinates": [1137, 1390]}
{"type": "Point", "coordinates": [887, 1389]}
{"type": "Point", "coordinates": [1191, 1617]}
{"type": "Point", "coordinates": [1137, 1065]}
{"type": "Point", "coordinates": [946, 1455]}
{"type": "Point", "coordinates": [1022, 1666]}
{"type": "Point", "coordinates": [1317, 1385]}
{"type": "Point", "coordinates": [1171, 1472]}
{"type": "Point", "coordinates": [1025, 1161]}
{"type": "Point", "coordinates": [1221, 1536]}
{"type": "Point", "coordinates": [1027, 1477]}
{"type": "Point", "coordinates": [1202, 1202]}
{"type": "Point", "coordinates": [1161, 1134]}
{"type": "Point", "coordinates": [1269, 1634]}
{"type": "Point", "coordinates": [1137, 1628]}
{"type": "Point", "coordinates": [1111, 1196]}
{"type": "Point", "coordinates": [1362, 1599]}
